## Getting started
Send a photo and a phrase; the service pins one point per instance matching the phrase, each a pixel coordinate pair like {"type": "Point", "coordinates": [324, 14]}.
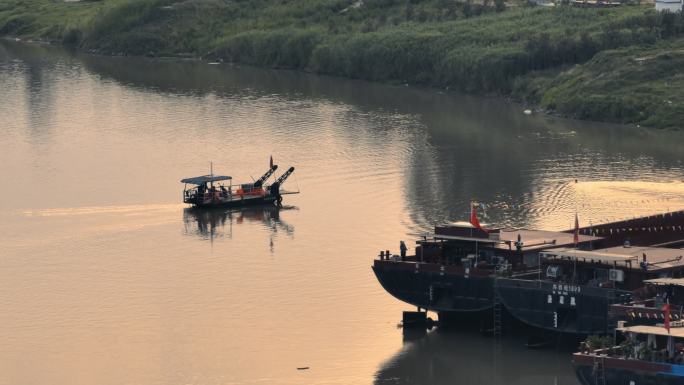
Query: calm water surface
{"type": "Point", "coordinates": [105, 278]}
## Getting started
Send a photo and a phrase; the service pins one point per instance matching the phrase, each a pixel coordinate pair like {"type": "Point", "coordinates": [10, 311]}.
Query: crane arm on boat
{"type": "Point", "coordinates": [281, 179]}
{"type": "Point", "coordinates": [275, 187]}
{"type": "Point", "coordinates": [259, 182]}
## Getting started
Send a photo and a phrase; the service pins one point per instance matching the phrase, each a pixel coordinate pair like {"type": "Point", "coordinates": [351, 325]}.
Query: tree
{"type": "Point", "coordinates": [408, 11]}
{"type": "Point", "coordinates": [467, 9]}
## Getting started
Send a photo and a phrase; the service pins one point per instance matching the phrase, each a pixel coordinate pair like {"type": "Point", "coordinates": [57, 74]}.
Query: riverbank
{"type": "Point", "coordinates": [619, 65]}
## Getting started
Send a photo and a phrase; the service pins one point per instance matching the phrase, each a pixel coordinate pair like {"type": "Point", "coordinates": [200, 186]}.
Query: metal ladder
{"type": "Point", "coordinates": [496, 311]}
{"type": "Point", "coordinates": [611, 321]}
{"type": "Point", "coordinates": [599, 371]}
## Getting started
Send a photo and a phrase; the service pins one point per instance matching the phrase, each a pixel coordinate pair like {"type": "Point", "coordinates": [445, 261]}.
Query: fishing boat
{"type": "Point", "coordinates": [209, 191]}
{"type": "Point", "coordinates": [648, 354]}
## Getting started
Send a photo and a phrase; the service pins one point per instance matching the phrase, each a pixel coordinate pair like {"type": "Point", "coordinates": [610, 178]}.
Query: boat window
{"type": "Point", "coordinates": [601, 274]}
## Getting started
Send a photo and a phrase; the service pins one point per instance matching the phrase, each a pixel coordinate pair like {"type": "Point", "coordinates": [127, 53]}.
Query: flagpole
{"type": "Point", "coordinates": [576, 232]}
{"type": "Point", "coordinates": [666, 309]}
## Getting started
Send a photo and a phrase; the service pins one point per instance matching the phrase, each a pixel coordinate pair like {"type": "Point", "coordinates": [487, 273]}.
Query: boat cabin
{"type": "Point", "coordinates": [665, 290]}
{"type": "Point", "coordinates": [647, 355]}
{"type": "Point", "coordinates": [647, 305]}
{"type": "Point", "coordinates": [622, 267]}
{"type": "Point", "coordinates": [654, 343]}
{"type": "Point", "coordinates": [504, 249]}
{"type": "Point", "coordinates": [205, 189]}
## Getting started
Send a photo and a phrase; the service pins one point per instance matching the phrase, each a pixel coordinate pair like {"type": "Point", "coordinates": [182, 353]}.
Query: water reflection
{"type": "Point", "coordinates": [529, 180]}
{"type": "Point", "coordinates": [464, 358]}
{"type": "Point", "coordinates": [216, 223]}
{"type": "Point", "coordinates": [376, 161]}
{"type": "Point", "coordinates": [39, 89]}
{"type": "Point", "coordinates": [453, 148]}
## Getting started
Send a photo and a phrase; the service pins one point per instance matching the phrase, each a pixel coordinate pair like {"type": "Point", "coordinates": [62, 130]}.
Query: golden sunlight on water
{"type": "Point", "coordinates": [105, 278]}
{"type": "Point", "coordinates": [601, 201]}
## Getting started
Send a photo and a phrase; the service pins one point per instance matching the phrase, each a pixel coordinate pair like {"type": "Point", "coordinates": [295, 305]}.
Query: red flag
{"type": "Point", "coordinates": [576, 234]}
{"type": "Point", "coordinates": [473, 217]}
{"type": "Point", "coordinates": [666, 309]}
{"type": "Point", "coordinates": [271, 162]}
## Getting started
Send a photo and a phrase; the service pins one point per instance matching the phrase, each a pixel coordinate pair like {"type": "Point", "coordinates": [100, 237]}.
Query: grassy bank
{"type": "Point", "coordinates": [579, 62]}
{"type": "Point", "coordinates": [640, 84]}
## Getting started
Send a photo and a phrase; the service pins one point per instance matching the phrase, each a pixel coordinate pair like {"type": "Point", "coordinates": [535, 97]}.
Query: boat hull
{"type": "Point", "coordinates": [252, 201]}
{"type": "Point", "coordinates": [618, 371]}
{"type": "Point", "coordinates": [436, 288]}
{"type": "Point", "coordinates": [564, 308]}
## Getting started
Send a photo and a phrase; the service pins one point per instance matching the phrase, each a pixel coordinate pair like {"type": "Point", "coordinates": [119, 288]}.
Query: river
{"type": "Point", "coordinates": [106, 278]}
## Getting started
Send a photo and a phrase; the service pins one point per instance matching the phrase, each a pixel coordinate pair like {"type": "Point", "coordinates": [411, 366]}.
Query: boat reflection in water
{"type": "Point", "coordinates": [213, 223]}
{"type": "Point", "coordinates": [450, 357]}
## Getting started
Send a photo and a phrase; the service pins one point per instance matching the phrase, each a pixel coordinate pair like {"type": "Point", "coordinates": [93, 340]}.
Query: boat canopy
{"type": "Point", "coordinates": [666, 281]}
{"type": "Point", "coordinates": [199, 180]}
{"type": "Point", "coordinates": [677, 332]}
{"type": "Point", "coordinates": [656, 258]}
{"type": "Point", "coordinates": [459, 238]}
{"type": "Point", "coordinates": [587, 256]}
{"type": "Point", "coordinates": [531, 240]}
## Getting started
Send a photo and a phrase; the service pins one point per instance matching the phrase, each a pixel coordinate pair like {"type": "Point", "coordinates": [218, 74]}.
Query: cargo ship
{"type": "Point", "coordinates": [576, 288]}
{"type": "Point", "coordinates": [453, 269]}
{"type": "Point", "coordinates": [466, 269]}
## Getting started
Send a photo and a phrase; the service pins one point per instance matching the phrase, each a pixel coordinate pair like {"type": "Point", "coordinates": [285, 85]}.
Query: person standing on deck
{"type": "Point", "coordinates": [402, 249]}
{"type": "Point", "coordinates": [200, 192]}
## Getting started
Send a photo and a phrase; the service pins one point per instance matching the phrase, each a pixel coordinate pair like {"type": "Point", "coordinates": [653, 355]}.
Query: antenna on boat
{"type": "Point", "coordinates": [211, 172]}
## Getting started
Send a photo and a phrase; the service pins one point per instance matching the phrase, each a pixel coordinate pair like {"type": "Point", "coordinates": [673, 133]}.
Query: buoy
{"type": "Point", "coordinates": [527, 112]}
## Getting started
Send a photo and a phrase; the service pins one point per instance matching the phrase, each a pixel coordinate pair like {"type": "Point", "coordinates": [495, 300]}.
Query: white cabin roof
{"type": "Point", "coordinates": [657, 257]}
{"type": "Point", "coordinates": [677, 332]}
{"type": "Point", "coordinates": [532, 240]}
{"type": "Point", "coordinates": [666, 281]}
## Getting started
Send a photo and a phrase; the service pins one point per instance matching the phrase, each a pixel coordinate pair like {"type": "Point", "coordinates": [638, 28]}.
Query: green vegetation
{"type": "Point", "coordinates": [585, 63]}
{"type": "Point", "coordinates": [640, 84]}
{"type": "Point", "coordinates": [595, 342]}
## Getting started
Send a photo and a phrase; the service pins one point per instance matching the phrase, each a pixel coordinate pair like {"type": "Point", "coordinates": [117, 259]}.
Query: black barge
{"type": "Point", "coordinates": [556, 281]}
{"type": "Point", "coordinates": [577, 288]}
{"type": "Point", "coordinates": [453, 269]}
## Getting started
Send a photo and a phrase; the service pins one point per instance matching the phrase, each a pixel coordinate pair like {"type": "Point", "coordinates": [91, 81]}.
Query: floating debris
{"type": "Point", "coordinates": [303, 368]}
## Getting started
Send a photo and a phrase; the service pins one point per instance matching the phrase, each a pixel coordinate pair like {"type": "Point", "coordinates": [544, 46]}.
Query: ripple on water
{"type": "Point", "coordinates": [100, 261]}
